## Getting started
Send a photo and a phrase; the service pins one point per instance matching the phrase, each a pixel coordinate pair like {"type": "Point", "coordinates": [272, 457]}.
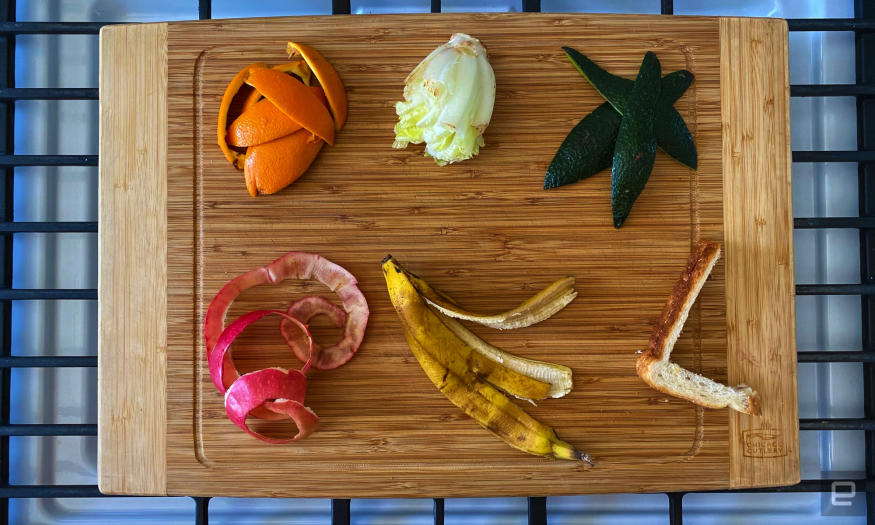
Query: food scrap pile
{"type": "Point", "coordinates": [285, 118]}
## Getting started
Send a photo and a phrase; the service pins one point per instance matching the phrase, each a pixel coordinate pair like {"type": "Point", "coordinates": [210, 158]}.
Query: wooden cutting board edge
{"type": "Point", "coordinates": [132, 309]}
{"type": "Point", "coordinates": [757, 214]}
{"type": "Point", "coordinates": [132, 261]}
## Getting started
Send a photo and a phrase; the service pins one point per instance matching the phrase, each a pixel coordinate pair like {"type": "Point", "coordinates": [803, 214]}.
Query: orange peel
{"type": "Point", "coordinates": [295, 100]}
{"type": "Point", "coordinates": [251, 99]}
{"type": "Point", "coordinates": [283, 122]}
{"type": "Point", "coordinates": [272, 166]}
{"type": "Point", "coordinates": [299, 68]}
{"type": "Point", "coordinates": [234, 86]}
{"type": "Point", "coordinates": [328, 78]}
{"type": "Point", "coordinates": [264, 122]}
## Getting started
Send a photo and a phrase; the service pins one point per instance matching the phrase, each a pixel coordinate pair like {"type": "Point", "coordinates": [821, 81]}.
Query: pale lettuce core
{"type": "Point", "coordinates": [448, 101]}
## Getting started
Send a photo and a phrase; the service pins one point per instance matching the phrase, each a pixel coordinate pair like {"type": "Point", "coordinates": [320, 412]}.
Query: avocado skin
{"type": "Point", "coordinates": [672, 134]}
{"type": "Point", "coordinates": [635, 148]}
{"type": "Point", "coordinates": [586, 150]}
{"type": "Point", "coordinates": [589, 146]}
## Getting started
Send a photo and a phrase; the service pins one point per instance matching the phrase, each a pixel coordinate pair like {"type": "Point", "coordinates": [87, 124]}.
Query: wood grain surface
{"type": "Point", "coordinates": [485, 232]}
{"type": "Point", "coordinates": [132, 256]}
{"type": "Point", "coordinates": [759, 252]}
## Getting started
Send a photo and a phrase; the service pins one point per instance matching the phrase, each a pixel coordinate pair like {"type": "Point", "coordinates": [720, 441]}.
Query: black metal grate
{"type": "Point", "coordinates": [863, 26]}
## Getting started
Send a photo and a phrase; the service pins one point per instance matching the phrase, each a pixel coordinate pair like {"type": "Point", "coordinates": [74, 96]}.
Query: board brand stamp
{"type": "Point", "coordinates": [764, 443]}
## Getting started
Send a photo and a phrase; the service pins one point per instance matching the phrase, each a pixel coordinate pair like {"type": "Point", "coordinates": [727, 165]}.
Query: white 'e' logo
{"type": "Point", "coordinates": [842, 498]}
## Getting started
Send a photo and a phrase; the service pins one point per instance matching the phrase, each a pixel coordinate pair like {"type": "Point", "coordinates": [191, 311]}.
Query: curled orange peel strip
{"type": "Point", "coordinates": [328, 78]}
{"type": "Point", "coordinates": [295, 100]}
{"type": "Point", "coordinates": [272, 166]}
{"type": "Point", "coordinates": [299, 68]}
{"type": "Point", "coordinates": [264, 122]}
{"type": "Point", "coordinates": [234, 86]}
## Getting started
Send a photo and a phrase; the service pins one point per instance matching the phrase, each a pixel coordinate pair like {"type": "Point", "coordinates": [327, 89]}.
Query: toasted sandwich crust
{"type": "Point", "coordinates": [653, 364]}
{"type": "Point", "coordinates": [682, 297]}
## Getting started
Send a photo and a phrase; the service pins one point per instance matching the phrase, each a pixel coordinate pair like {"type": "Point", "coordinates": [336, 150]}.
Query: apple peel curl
{"type": "Point", "coordinates": [220, 359]}
{"type": "Point", "coordinates": [275, 393]}
{"type": "Point", "coordinates": [221, 362]}
{"type": "Point", "coordinates": [278, 390]}
{"type": "Point", "coordinates": [297, 265]}
{"type": "Point", "coordinates": [304, 310]}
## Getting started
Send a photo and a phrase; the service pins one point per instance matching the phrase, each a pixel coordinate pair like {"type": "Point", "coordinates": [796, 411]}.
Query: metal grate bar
{"type": "Point", "coordinates": [537, 511]}
{"type": "Point", "coordinates": [666, 7]}
{"type": "Point", "coordinates": [54, 429]}
{"type": "Point", "coordinates": [7, 146]}
{"type": "Point", "coordinates": [51, 28]}
{"type": "Point", "coordinates": [438, 511]}
{"type": "Point", "coordinates": [834, 222]}
{"type": "Point", "coordinates": [21, 294]}
{"type": "Point", "coordinates": [50, 491]}
{"type": "Point", "coordinates": [835, 289]}
{"type": "Point", "coordinates": [204, 9]}
{"type": "Point", "coordinates": [826, 356]}
{"type": "Point", "coordinates": [340, 7]}
{"type": "Point", "coordinates": [865, 9]}
{"type": "Point", "coordinates": [829, 24]}
{"type": "Point", "coordinates": [11, 161]}
{"type": "Point", "coordinates": [676, 508]}
{"type": "Point", "coordinates": [201, 511]}
{"type": "Point", "coordinates": [831, 90]}
{"type": "Point", "coordinates": [48, 227]}
{"type": "Point", "coordinates": [48, 94]}
{"type": "Point", "coordinates": [340, 512]}
{"type": "Point", "coordinates": [834, 156]}
{"type": "Point", "coordinates": [837, 424]}
{"type": "Point", "coordinates": [48, 361]}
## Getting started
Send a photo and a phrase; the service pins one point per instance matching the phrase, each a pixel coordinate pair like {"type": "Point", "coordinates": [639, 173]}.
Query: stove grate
{"type": "Point", "coordinates": [863, 26]}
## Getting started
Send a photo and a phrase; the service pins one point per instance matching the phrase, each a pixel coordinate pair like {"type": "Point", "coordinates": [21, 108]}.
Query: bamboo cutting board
{"type": "Point", "coordinates": [177, 223]}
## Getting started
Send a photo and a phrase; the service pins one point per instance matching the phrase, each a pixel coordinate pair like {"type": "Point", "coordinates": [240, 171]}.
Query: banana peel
{"type": "Point", "coordinates": [437, 349]}
{"type": "Point", "coordinates": [423, 325]}
{"type": "Point", "coordinates": [558, 376]}
{"type": "Point", "coordinates": [494, 411]}
{"type": "Point", "coordinates": [540, 306]}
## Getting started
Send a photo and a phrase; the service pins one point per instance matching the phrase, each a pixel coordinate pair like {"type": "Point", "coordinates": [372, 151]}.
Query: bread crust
{"type": "Point", "coordinates": [682, 297]}
{"type": "Point", "coordinates": [699, 265]}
